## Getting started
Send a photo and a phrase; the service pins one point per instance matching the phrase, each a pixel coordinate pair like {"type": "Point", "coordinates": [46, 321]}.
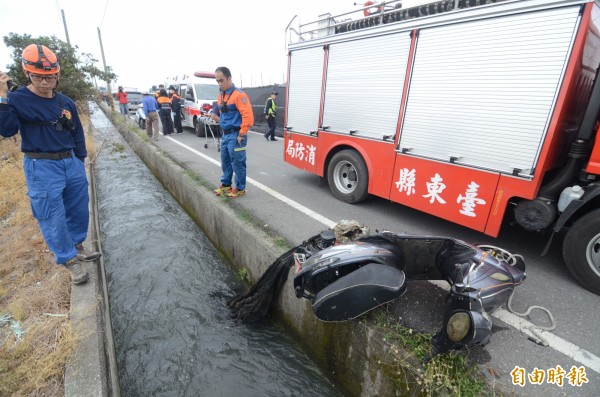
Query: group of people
{"type": "Point", "coordinates": [53, 142]}
{"type": "Point", "coordinates": [163, 104]}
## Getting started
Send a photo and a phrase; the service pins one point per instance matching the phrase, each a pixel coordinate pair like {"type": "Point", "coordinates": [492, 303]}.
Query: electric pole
{"type": "Point", "coordinates": [108, 89]}
{"type": "Point", "coordinates": [65, 23]}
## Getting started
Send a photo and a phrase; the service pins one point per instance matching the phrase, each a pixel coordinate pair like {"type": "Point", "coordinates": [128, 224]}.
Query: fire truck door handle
{"type": "Point", "coordinates": [352, 132]}
{"type": "Point", "coordinates": [324, 127]}
{"type": "Point", "coordinates": [406, 149]}
{"type": "Point", "coordinates": [288, 128]}
{"type": "Point", "coordinates": [386, 137]}
{"type": "Point", "coordinates": [454, 159]}
{"type": "Point", "coordinates": [315, 133]}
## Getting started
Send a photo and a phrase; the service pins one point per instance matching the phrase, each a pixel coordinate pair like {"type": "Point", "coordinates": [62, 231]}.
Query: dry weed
{"type": "Point", "coordinates": [34, 292]}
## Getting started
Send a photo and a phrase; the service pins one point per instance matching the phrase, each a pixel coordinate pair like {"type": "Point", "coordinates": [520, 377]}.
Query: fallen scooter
{"type": "Point", "coordinates": [347, 280]}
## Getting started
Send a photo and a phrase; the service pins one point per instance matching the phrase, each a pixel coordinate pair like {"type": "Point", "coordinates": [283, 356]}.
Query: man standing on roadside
{"type": "Point", "coordinates": [270, 112]}
{"type": "Point", "coordinates": [176, 109]}
{"type": "Point", "coordinates": [150, 110]}
{"type": "Point", "coordinates": [54, 145]}
{"type": "Point", "coordinates": [234, 114]}
{"type": "Point", "coordinates": [123, 102]}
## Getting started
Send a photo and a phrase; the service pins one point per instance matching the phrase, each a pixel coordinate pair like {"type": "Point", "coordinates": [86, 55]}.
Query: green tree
{"type": "Point", "coordinates": [76, 70]}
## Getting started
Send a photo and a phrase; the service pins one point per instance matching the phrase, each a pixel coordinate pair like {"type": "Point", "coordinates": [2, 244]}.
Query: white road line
{"type": "Point", "coordinates": [307, 211]}
{"type": "Point", "coordinates": [563, 346]}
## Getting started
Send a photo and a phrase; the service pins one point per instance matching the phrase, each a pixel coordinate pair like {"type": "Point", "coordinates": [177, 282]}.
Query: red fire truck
{"type": "Point", "coordinates": [458, 108]}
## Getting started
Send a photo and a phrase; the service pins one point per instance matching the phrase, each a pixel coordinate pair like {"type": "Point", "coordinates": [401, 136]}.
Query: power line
{"type": "Point", "coordinates": [104, 14]}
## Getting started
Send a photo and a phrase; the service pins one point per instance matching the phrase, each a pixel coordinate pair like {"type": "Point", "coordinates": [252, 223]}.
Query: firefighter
{"type": "Point", "coordinates": [54, 145]}
{"type": "Point", "coordinates": [234, 114]}
{"type": "Point", "coordinates": [270, 112]}
{"type": "Point", "coordinates": [176, 106]}
{"type": "Point", "coordinates": [164, 105]}
{"type": "Point", "coordinates": [157, 92]}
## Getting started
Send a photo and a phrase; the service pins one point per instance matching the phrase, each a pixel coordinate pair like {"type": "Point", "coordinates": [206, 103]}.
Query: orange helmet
{"type": "Point", "coordinates": [39, 59]}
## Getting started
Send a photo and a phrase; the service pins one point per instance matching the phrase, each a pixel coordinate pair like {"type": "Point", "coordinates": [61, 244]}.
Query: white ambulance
{"type": "Point", "coordinates": [198, 92]}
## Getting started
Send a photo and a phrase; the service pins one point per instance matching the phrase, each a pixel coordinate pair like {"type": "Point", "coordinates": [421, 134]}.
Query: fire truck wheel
{"type": "Point", "coordinates": [581, 251]}
{"type": "Point", "coordinates": [199, 128]}
{"type": "Point", "coordinates": [348, 177]}
{"type": "Point", "coordinates": [142, 123]}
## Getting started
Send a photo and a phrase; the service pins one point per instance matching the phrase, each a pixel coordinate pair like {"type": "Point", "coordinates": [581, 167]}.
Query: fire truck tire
{"type": "Point", "coordinates": [581, 251]}
{"type": "Point", "coordinates": [199, 128]}
{"type": "Point", "coordinates": [348, 177]}
{"type": "Point", "coordinates": [142, 124]}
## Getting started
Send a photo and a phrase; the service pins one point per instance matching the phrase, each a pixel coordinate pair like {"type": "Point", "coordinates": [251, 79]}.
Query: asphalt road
{"type": "Point", "coordinates": [296, 205]}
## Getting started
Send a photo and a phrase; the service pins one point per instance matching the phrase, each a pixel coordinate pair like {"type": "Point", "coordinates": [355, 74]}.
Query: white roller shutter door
{"type": "Point", "coordinates": [304, 91]}
{"type": "Point", "coordinates": [364, 85]}
{"type": "Point", "coordinates": [483, 91]}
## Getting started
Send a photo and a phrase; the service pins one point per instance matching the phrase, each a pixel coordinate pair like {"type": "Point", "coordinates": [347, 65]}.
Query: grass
{"type": "Point", "coordinates": [36, 336]}
{"type": "Point", "coordinates": [446, 374]}
{"type": "Point", "coordinates": [243, 274]}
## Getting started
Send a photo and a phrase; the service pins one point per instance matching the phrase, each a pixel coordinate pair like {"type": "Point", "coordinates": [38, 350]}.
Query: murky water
{"type": "Point", "coordinates": [167, 286]}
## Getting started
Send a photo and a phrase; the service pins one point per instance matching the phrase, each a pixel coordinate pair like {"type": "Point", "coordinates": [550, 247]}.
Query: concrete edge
{"type": "Point", "coordinates": [87, 372]}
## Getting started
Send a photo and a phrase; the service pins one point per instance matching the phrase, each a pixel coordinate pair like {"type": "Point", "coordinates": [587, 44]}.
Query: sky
{"type": "Point", "coordinates": [146, 42]}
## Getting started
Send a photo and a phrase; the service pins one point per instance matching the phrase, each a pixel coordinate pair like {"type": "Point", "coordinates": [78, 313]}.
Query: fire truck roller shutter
{"type": "Point", "coordinates": [483, 91]}
{"type": "Point", "coordinates": [371, 83]}
{"type": "Point", "coordinates": [304, 91]}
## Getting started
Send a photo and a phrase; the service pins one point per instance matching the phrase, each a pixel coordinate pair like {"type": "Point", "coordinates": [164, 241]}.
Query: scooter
{"type": "Point", "coordinates": [345, 281]}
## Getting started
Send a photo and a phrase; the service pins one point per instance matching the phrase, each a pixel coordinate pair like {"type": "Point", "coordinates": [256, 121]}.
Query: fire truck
{"type": "Point", "coordinates": [478, 112]}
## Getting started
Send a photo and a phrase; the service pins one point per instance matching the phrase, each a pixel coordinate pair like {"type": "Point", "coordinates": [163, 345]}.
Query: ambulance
{"type": "Point", "coordinates": [198, 91]}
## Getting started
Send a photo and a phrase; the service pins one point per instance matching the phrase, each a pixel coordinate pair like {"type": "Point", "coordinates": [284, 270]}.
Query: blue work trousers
{"type": "Point", "coordinates": [233, 159]}
{"type": "Point", "coordinates": [58, 193]}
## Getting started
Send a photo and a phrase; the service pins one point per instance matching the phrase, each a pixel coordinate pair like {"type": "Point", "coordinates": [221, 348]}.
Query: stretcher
{"type": "Point", "coordinates": [213, 128]}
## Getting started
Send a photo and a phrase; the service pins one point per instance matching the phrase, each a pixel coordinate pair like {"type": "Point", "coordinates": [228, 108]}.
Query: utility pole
{"type": "Point", "coordinates": [108, 89]}
{"type": "Point", "coordinates": [65, 23]}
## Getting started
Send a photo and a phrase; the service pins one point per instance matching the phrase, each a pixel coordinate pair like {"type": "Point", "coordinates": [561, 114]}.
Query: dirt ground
{"type": "Point", "coordinates": [36, 337]}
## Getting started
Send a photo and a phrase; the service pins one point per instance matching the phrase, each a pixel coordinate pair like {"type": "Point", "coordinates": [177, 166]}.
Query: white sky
{"type": "Point", "coordinates": [147, 41]}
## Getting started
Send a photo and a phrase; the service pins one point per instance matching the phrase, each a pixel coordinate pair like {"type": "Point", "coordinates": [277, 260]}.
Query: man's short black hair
{"type": "Point", "coordinates": [226, 72]}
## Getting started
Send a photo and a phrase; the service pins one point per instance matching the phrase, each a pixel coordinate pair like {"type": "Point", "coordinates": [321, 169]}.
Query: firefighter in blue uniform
{"type": "Point", "coordinates": [234, 114]}
{"type": "Point", "coordinates": [54, 145]}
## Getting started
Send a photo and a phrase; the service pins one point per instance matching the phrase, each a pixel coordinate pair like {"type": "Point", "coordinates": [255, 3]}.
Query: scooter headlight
{"type": "Point", "coordinates": [458, 326]}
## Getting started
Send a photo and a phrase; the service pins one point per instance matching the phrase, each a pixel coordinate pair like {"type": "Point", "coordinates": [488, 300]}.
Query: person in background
{"type": "Point", "coordinates": [150, 107]}
{"type": "Point", "coordinates": [270, 112]}
{"type": "Point", "coordinates": [164, 106]}
{"type": "Point", "coordinates": [157, 92]}
{"type": "Point", "coordinates": [176, 106]}
{"type": "Point", "coordinates": [234, 114]}
{"type": "Point", "coordinates": [54, 145]}
{"type": "Point", "coordinates": [122, 97]}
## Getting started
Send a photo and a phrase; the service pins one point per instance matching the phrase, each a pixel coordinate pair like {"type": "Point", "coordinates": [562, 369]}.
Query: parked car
{"type": "Point", "coordinates": [135, 100]}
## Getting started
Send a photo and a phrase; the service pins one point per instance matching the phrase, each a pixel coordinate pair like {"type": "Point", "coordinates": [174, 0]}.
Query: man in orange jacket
{"type": "Point", "coordinates": [234, 113]}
